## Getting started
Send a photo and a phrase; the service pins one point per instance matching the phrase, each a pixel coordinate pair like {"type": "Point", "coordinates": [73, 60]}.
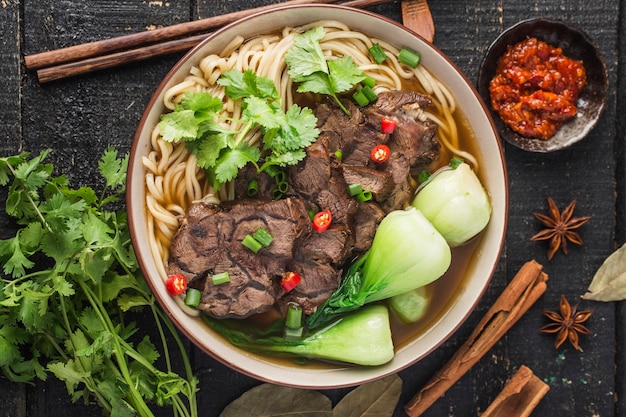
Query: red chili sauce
{"type": "Point", "coordinates": [536, 87]}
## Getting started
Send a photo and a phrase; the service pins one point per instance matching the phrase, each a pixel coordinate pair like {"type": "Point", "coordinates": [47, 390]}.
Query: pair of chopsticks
{"type": "Point", "coordinates": [121, 50]}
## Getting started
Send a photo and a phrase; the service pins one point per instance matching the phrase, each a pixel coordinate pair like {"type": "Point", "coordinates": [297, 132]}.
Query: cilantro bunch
{"type": "Point", "coordinates": [316, 74]}
{"type": "Point", "coordinates": [69, 278]}
{"type": "Point", "coordinates": [222, 152]}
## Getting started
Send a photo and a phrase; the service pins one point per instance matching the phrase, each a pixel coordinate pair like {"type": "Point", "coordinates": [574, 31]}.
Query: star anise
{"type": "Point", "coordinates": [567, 323]}
{"type": "Point", "coordinates": [560, 227]}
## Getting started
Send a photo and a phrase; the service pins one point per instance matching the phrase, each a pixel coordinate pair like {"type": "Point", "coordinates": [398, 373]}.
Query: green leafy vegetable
{"type": "Point", "coordinates": [309, 67]}
{"type": "Point", "coordinates": [412, 305]}
{"type": "Point", "coordinates": [361, 338]}
{"type": "Point", "coordinates": [456, 203]}
{"type": "Point", "coordinates": [198, 121]}
{"type": "Point", "coordinates": [407, 253]}
{"type": "Point", "coordinates": [70, 274]}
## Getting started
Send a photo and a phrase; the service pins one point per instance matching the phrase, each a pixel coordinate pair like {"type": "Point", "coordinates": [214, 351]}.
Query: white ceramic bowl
{"type": "Point", "coordinates": [485, 256]}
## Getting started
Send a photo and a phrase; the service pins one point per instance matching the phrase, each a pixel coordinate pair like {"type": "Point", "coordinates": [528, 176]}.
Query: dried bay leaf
{"type": "Point", "coordinates": [267, 400]}
{"type": "Point", "coordinates": [609, 281]}
{"type": "Point", "coordinates": [374, 399]}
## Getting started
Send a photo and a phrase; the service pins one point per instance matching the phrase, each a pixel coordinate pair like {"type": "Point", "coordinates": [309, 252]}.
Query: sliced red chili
{"type": "Point", "coordinates": [290, 280]}
{"type": "Point", "coordinates": [176, 284]}
{"type": "Point", "coordinates": [380, 153]}
{"type": "Point", "coordinates": [322, 220]}
{"type": "Point", "coordinates": [388, 125]}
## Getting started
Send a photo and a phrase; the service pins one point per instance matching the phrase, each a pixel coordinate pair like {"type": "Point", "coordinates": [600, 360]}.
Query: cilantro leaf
{"type": "Point", "coordinates": [309, 67]}
{"type": "Point", "coordinates": [15, 262]}
{"type": "Point", "coordinates": [307, 57]}
{"type": "Point", "coordinates": [113, 169]}
{"type": "Point", "coordinates": [239, 84]}
{"type": "Point", "coordinates": [344, 74]}
{"type": "Point", "coordinates": [191, 117]}
{"type": "Point", "coordinates": [232, 160]}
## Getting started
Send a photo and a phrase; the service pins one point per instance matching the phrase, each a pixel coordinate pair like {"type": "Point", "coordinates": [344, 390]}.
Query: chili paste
{"type": "Point", "coordinates": [536, 87]}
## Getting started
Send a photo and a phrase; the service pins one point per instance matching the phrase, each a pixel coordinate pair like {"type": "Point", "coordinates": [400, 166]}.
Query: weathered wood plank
{"type": "Point", "coordinates": [80, 117]}
{"type": "Point", "coordinates": [12, 399]}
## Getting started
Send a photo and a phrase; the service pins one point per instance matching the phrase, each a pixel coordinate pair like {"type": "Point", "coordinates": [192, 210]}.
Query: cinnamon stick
{"type": "Point", "coordinates": [519, 397]}
{"type": "Point", "coordinates": [106, 47]}
{"type": "Point", "coordinates": [521, 293]}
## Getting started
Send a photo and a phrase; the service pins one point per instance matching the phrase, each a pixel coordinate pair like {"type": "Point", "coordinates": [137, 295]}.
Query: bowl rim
{"type": "Point", "coordinates": [510, 36]}
{"type": "Point", "coordinates": [319, 378]}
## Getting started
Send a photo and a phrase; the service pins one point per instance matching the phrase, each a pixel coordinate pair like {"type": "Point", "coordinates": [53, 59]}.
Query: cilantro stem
{"type": "Point", "coordinates": [27, 192]}
{"type": "Point", "coordinates": [136, 400]}
{"type": "Point", "coordinates": [88, 380]}
{"type": "Point", "coordinates": [341, 106]}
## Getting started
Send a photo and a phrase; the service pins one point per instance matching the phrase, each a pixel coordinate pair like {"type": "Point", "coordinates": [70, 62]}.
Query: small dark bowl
{"type": "Point", "coordinates": [575, 45]}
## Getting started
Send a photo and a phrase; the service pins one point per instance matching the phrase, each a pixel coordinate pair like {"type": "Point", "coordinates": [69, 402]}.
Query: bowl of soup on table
{"type": "Point", "coordinates": [546, 84]}
{"type": "Point", "coordinates": [317, 196]}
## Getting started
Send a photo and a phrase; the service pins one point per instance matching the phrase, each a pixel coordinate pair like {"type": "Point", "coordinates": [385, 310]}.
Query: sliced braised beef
{"type": "Point", "coordinates": [364, 224]}
{"type": "Point", "coordinates": [319, 180]}
{"type": "Point", "coordinates": [320, 282]}
{"type": "Point", "coordinates": [209, 242]}
{"type": "Point", "coordinates": [209, 239]}
{"type": "Point", "coordinates": [414, 135]}
{"type": "Point", "coordinates": [352, 135]}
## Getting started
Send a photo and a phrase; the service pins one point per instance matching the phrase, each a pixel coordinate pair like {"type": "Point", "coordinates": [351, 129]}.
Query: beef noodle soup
{"type": "Point", "coordinates": [174, 182]}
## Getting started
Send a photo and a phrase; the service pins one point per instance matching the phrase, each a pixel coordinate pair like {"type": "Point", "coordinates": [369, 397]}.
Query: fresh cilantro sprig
{"type": "Point", "coordinates": [222, 152]}
{"type": "Point", "coordinates": [69, 277]}
{"type": "Point", "coordinates": [316, 74]}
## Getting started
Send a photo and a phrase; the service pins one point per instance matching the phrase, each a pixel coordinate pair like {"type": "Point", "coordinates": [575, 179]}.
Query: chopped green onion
{"type": "Point", "coordinates": [339, 155]}
{"type": "Point", "coordinates": [283, 187]}
{"type": "Point", "coordinates": [193, 297]}
{"type": "Point", "coordinates": [360, 98]}
{"type": "Point", "coordinates": [293, 334]}
{"type": "Point", "coordinates": [455, 162]}
{"type": "Point", "coordinates": [409, 57]}
{"type": "Point", "coordinates": [253, 188]}
{"type": "Point", "coordinates": [221, 278]}
{"type": "Point", "coordinates": [354, 189]}
{"type": "Point", "coordinates": [272, 170]}
{"type": "Point", "coordinates": [280, 176]}
{"type": "Point", "coordinates": [251, 243]}
{"type": "Point", "coordinates": [364, 196]}
{"type": "Point", "coordinates": [369, 82]}
{"type": "Point", "coordinates": [277, 194]}
{"type": "Point", "coordinates": [377, 53]}
{"type": "Point", "coordinates": [293, 321]}
{"type": "Point", "coordinates": [370, 94]}
{"type": "Point", "coordinates": [423, 176]}
{"type": "Point", "coordinates": [263, 237]}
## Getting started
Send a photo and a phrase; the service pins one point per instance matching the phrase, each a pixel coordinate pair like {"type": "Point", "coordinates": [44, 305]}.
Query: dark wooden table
{"type": "Point", "coordinates": [78, 118]}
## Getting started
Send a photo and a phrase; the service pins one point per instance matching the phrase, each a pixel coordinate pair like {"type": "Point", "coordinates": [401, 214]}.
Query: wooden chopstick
{"type": "Point", "coordinates": [112, 52]}
{"type": "Point", "coordinates": [118, 43]}
{"type": "Point", "coordinates": [116, 59]}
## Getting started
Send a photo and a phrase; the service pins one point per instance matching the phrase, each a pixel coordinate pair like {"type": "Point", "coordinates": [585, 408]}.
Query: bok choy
{"type": "Point", "coordinates": [361, 338]}
{"type": "Point", "coordinates": [407, 253]}
{"type": "Point", "coordinates": [456, 203]}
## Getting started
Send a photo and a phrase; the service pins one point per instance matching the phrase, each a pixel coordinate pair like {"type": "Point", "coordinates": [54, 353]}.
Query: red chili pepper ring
{"type": "Point", "coordinates": [176, 284]}
{"type": "Point", "coordinates": [380, 153]}
{"type": "Point", "coordinates": [322, 221]}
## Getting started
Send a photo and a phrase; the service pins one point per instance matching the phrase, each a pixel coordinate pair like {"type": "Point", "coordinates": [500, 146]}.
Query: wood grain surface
{"type": "Point", "coordinates": [79, 117]}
